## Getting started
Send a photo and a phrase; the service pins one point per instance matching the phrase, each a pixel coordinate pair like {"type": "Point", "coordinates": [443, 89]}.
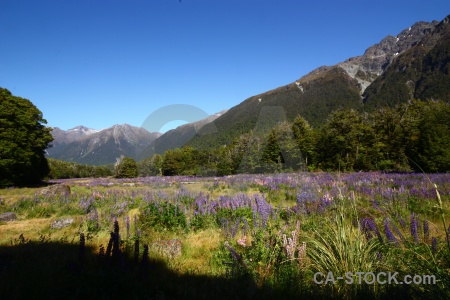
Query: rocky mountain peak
{"type": "Point", "coordinates": [420, 72]}
{"type": "Point", "coordinates": [378, 57]}
{"type": "Point", "coordinates": [82, 130]}
{"type": "Point", "coordinates": [85, 145]}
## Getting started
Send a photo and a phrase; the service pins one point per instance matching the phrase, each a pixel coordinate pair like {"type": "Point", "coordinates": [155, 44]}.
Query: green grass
{"type": "Point", "coordinates": [206, 268]}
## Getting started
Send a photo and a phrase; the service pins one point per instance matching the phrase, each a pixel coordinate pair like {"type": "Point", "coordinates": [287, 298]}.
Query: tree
{"type": "Point", "coordinates": [151, 166]}
{"type": "Point", "coordinates": [305, 139]}
{"type": "Point", "coordinates": [281, 151]}
{"type": "Point", "coordinates": [180, 161]}
{"type": "Point", "coordinates": [430, 147]}
{"type": "Point", "coordinates": [345, 141]}
{"type": "Point", "coordinates": [62, 169]}
{"type": "Point", "coordinates": [126, 167]}
{"type": "Point", "coordinates": [172, 162]}
{"type": "Point", "coordinates": [23, 140]}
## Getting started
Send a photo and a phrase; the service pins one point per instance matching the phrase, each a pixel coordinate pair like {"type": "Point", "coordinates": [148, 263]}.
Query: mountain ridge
{"type": "Point", "coordinates": [350, 84]}
{"type": "Point", "coordinates": [315, 95]}
{"type": "Point", "coordinates": [422, 72]}
{"type": "Point", "coordinates": [89, 146]}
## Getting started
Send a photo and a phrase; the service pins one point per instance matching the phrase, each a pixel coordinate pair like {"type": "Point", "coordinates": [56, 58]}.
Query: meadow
{"type": "Point", "coordinates": [233, 237]}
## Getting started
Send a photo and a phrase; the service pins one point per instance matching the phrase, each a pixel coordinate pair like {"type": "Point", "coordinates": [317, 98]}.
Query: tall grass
{"type": "Point", "coordinates": [263, 226]}
{"type": "Point", "coordinates": [340, 247]}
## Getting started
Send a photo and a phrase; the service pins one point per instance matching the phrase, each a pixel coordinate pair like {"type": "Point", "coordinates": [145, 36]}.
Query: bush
{"type": "Point", "coordinates": [163, 216]}
{"type": "Point", "coordinates": [126, 168]}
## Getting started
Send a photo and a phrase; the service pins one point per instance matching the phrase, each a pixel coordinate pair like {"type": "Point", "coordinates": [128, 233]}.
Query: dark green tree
{"type": "Point", "coordinates": [172, 162]}
{"type": "Point", "coordinates": [282, 152]}
{"type": "Point", "coordinates": [247, 153]}
{"type": "Point", "coordinates": [345, 141]}
{"type": "Point", "coordinates": [393, 130]}
{"type": "Point", "coordinates": [180, 161]}
{"type": "Point", "coordinates": [151, 166]}
{"type": "Point", "coordinates": [62, 169]}
{"type": "Point", "coordinates": [305, 138]}
{"type": "Point", "coordinates": [429, 149]}
{"type": "Point", "coordinates": [126, 168]}
{"type": "Point", "coordinates": [225, 163]}
{"type": "Point", "coordinates": [23, 140]}
{"type": "Point", "coordinates": [272, 156]}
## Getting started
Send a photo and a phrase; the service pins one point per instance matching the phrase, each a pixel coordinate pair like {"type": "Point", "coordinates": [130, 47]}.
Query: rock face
{"type": "Point", "coordinates": [377, 58]}
{"type": "Point", "coordinates": [55, 190]}
{"type": "Point", "coordinates": [8, 216]}
{"type": "Point", "coordinates": [58, 224]}
{"type": "Point", "coordinates": [168, 248]}
{"type": "Point", "coordinates": [422, 72]}
{"type": "Point", "coordinates": [366, 68]}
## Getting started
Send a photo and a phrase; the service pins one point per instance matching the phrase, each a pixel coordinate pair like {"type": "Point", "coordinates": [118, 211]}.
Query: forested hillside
{"type": "Point", "coordinates": [411, 136]}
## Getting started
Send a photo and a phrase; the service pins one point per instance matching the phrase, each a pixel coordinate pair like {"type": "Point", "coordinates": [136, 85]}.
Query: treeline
{"type": "Point", "coordinates": [61, 170]}
{"type": "Point", "coordinates": [410, 137]}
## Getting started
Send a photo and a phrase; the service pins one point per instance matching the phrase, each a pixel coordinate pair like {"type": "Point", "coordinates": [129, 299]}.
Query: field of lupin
{"type": "Point", "coordinates": [280, 236]}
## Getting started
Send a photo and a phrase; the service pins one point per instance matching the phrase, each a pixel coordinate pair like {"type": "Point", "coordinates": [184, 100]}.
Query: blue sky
{"type": "Point", "coordinates": [103, 62]}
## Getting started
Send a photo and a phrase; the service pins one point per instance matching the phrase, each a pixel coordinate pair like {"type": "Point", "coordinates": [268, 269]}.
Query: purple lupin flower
{"type": "Point", "coordinates": [379, 256]}
{"type": "Point", "coordinates": [245, 227]}
{"type": "Point", "coordinates": [255, 221]}
{"type": "Point", "coordinates": [398, 232]}
{"type": "Point", "coordinates": [401, 221]}
{"type": "Point", "coordinates": [370, 225]}
{"type": "Point", "coordinates": [127, 223]}
{"type": "Point", "coordinates": [413, 227]}
{"type": "Point", "coordinates": [426, 230]}
{"type": "Point", "coordinates": [387, 230]}
{"type": "Point", "coordinates": [234, 229]}
{"type": "Point", "coordinates": [434, 245]}
{"type": "Point", "coordinates": [263, 208]}
{"type": "Point", "coordinates": [365, 228]}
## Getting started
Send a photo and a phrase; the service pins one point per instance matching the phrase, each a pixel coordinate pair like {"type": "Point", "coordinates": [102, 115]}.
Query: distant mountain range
{"type": "Point", "coordinates": [413, 64]}
{"type": "Point", "coordinates": [97, 147]}
{"type": "Point", "coordinates": [178, 137]}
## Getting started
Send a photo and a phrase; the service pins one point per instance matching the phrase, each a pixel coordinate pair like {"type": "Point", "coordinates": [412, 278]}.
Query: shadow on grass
{"type": "Point", "coordinates": [52, 270]}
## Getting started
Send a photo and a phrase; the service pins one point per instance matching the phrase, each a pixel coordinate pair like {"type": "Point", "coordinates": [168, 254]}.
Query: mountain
{"type": "Point", "coordinates": [366, 68]}
{"type": "Point", "coordinates": [413, 64]}
{"type": "Point", "coordinates": [177, 138]}
{"type": "Point", "coordinates": [72, 134]}
{"type": "Point", "coordinates": [421, 72]}
{"type": "Point", "coordinates": [317, 94]}
{"type": "Point", "coordinates": [89, 146]}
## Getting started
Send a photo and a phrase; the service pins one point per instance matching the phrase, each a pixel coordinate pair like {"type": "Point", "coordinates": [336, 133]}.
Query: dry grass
{"type": "Point", "coordinates": [198, 248]}
{"type": "Point", "coordinates": [34, 229]}
{"type": "Point", "coordinates": [10, 196]}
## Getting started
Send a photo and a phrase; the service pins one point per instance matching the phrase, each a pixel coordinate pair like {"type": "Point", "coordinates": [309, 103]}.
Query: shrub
{"type": "Point", "coordinates": [126, 167]}
{"type": "Point", "coordinates": [163, 216]}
